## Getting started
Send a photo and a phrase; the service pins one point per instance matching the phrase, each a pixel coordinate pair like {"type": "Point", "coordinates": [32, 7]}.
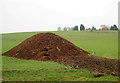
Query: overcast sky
{"type": "Point", "coordinates": [45, 15]}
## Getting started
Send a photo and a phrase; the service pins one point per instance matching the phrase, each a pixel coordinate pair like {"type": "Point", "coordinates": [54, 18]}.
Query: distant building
{"type": "Point", "coordinates": [104, 27]}
{"type": "Point", "coordinates": [108, 27]}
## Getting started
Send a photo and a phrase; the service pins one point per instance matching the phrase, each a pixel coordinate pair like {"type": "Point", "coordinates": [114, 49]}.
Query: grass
{"type": "Point", "coordinates": [55, 75]}
{"type": "Point", "coordinates": [30, 70]}
{"type": "Point", "coordinates": [23, 65]}
{"type": "Point", "coordinates": [102, 44]}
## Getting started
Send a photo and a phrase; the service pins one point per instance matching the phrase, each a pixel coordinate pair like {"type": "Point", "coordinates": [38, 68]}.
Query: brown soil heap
{"type": "Point", "coordinates": [51, 47]}
{"type": "Point", "coordinates": [45, 46]}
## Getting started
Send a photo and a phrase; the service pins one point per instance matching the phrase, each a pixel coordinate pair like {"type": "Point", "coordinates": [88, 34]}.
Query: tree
{"type": "Point", "coordinates": [88, 28]}
{"type": "Point", "coordinates": [93, 28]}
{"type": "Point", "coordinates": [114, 27]}
{"type": "Point", "coordinates": [65, 28]}
{"type": "Point", "coordinates": [59, 28]}
{"type": "Point", "coordinates": [75, 28]}
{"type": "Point", "coordinates": [82, 27]}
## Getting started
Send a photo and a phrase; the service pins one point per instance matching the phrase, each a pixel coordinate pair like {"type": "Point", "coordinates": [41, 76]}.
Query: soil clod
{"type": "Point", "coordinates": [98, 75]}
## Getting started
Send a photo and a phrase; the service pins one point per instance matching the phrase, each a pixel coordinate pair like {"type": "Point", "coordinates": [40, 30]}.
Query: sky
{"type": "Point", "coordinates": [48, 15]}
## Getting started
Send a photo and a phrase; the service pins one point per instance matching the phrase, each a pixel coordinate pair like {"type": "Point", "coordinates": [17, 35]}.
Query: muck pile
{"type": "Point", "coordinates": [45, 46]}
{"type": "Point", "coordinates": [51, 47]}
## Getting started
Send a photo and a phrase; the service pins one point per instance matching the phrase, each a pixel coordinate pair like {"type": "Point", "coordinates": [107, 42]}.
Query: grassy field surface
{"type": "Point", "coordinates": [98, 43]}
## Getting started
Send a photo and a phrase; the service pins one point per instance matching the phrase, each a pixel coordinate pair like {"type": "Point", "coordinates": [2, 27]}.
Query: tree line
{"type": "Point", "coordinates": [82, 27]}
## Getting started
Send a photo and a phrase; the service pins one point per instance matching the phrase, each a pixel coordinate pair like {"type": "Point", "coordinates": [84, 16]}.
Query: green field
{"type": "Point", "coordinates": [98, 43]}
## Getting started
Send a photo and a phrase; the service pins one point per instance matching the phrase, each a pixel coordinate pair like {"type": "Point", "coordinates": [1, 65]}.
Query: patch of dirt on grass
{"type": "Point", "coordinates": [51, 47]}
{"type": "Point", "coordinates": [94, 64]}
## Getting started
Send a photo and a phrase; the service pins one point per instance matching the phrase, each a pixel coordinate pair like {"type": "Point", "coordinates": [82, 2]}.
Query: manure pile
{"type": "Point", "coordinates": [51, 47]}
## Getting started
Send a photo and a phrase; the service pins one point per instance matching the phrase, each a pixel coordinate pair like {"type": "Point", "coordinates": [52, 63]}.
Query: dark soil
{"type": "Point", "coordinates": [94, 64]}
{"type": "Point", "coordinates": [51, 47]}
{"type": "Point", "coordinates": [98, 75]}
